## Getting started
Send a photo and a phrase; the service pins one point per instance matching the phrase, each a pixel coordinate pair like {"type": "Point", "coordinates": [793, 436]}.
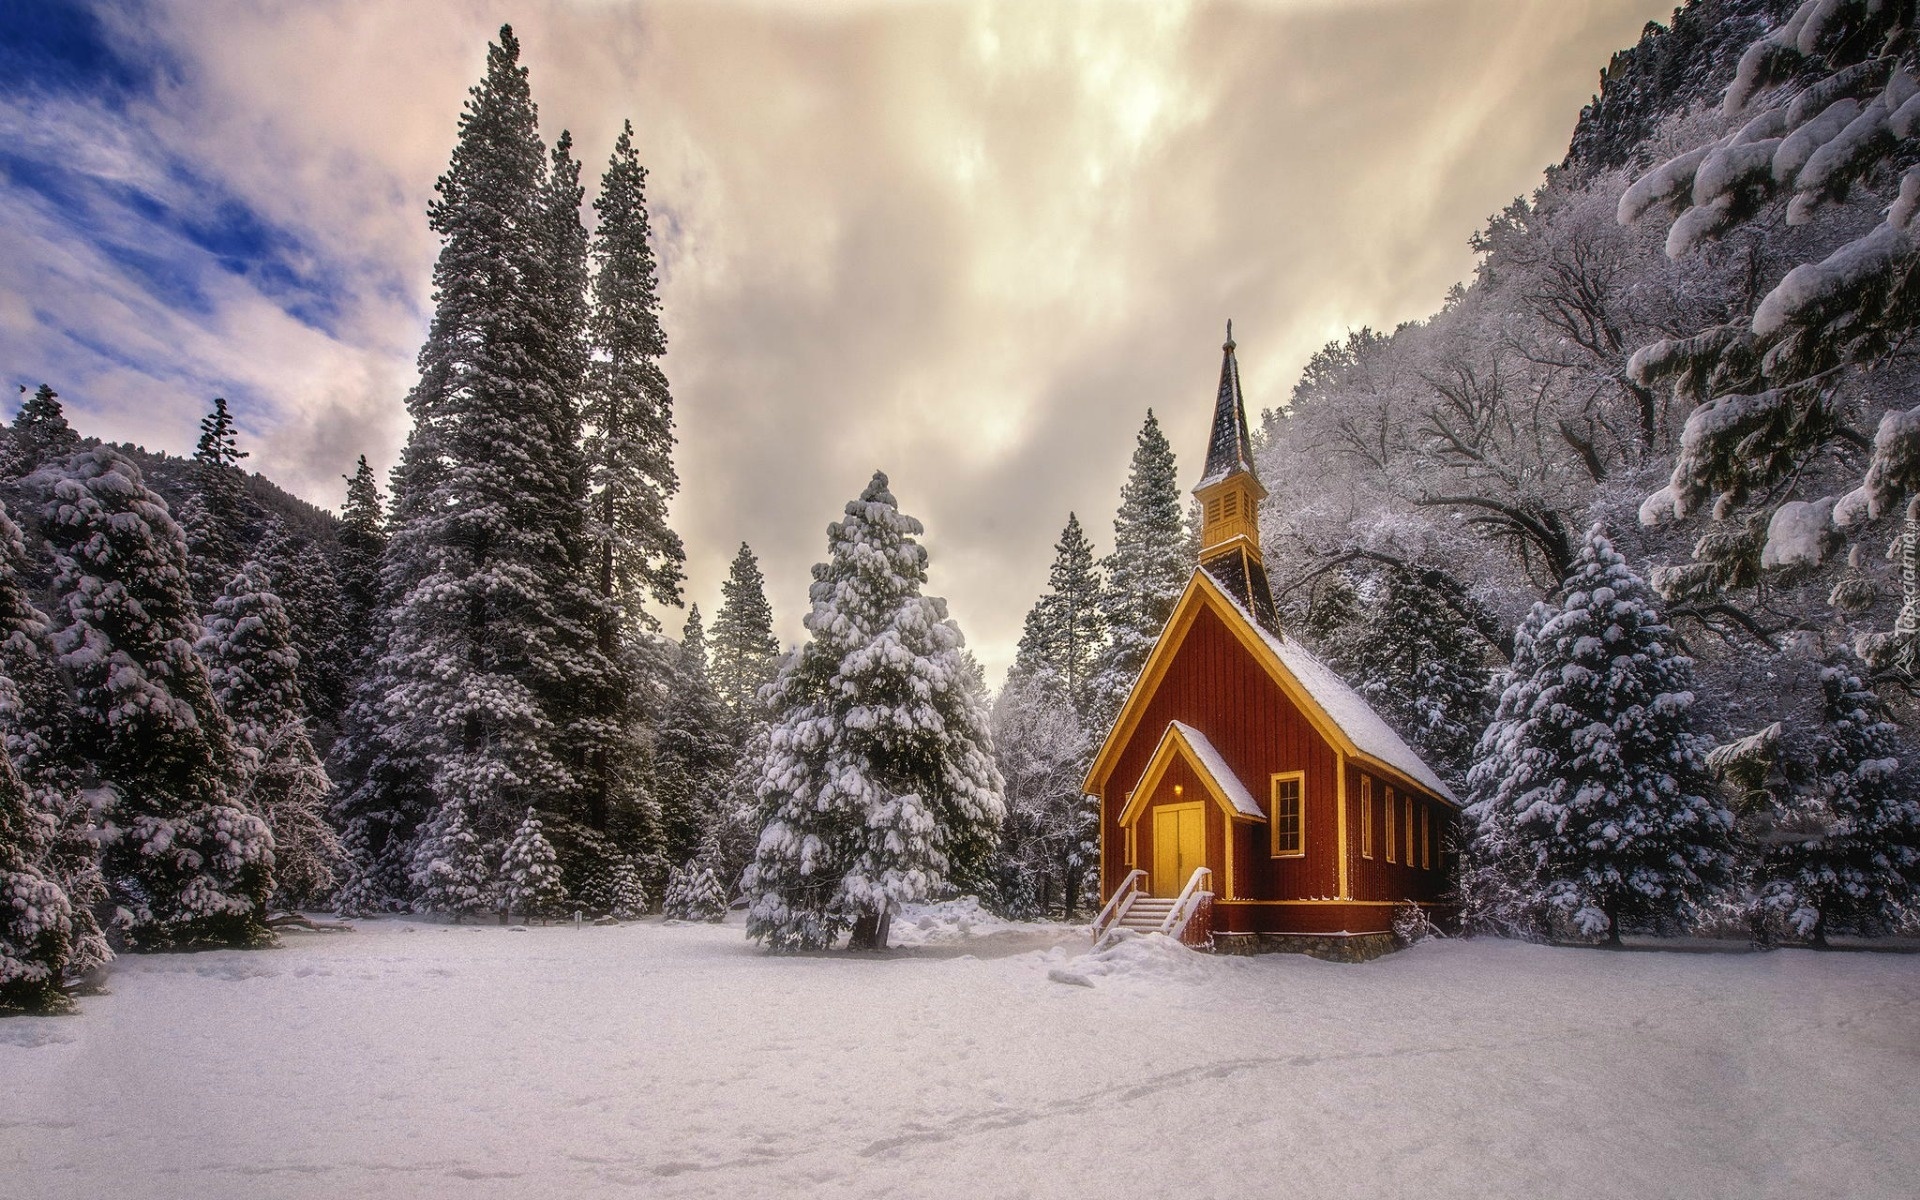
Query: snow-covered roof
{"type": "Point", "coordinates": [1345, 707]}
{"type": "Point", "coordinates": [1208, 760]}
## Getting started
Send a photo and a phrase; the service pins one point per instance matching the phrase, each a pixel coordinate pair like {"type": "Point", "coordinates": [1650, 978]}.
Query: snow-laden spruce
{"type": "Point", "coordinates": [450, 872]}
{"type": "Point", "coordinates": [694, 894]}
{"type": "Point", "coordinates": [1590, 801]}
{"type": "Point", "coordinates": [248, 646]}
{"type": "Point", "coordinates": [878, 785]}
{"type": "Point", "coordinates": [216, 511]}
{"type": "Point", "coordinates": [36, 729]}
{"type": "Point", "coordinates": [36, 917]}
{"type": "Point", "coordinates": [530, 873]}
{"type": "Point", "coordinates": [626, 893]}
{"type": "Point", "coordinates": [1845, 855]}
{"type": "Point", "coordinates": [185, 863]}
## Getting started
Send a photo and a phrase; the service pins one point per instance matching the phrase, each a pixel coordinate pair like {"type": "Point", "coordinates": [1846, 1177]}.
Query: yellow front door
{"type": "Point", "coordinates": [1179, 846]}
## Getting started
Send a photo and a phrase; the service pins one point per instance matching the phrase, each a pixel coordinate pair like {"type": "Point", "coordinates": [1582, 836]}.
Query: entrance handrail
{"type": "Point", "coordinates": [1116, 908]}
{"type": "Point", "coordinates": [1191, 898]}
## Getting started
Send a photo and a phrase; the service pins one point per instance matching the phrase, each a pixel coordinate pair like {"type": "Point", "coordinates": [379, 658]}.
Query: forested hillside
{"type": "Point", "coordinates": [1695, 336]}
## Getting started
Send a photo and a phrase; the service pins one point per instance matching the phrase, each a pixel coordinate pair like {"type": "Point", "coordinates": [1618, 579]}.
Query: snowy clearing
{"type": "Point", "coordinates": [421, 1060]}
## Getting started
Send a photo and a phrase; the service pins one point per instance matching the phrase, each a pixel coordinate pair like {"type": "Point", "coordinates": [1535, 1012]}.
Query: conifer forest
{"type": "Point", "coordinates": [1619, 546]}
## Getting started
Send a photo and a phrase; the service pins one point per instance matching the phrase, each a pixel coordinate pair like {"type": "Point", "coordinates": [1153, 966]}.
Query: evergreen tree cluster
{"type": "Point", "coordinates": [1082, 646]}
{"type": "Point", "coordinates": [510, 663]}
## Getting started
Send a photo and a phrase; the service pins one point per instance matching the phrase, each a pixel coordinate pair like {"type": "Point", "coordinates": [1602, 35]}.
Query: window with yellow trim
{"type": "Point", "coordinates": [1426, 839]}
{"type": "Point", "coordinates": [1288, 819]}
{"type": "Point", "coordinates": [1366, 816]}
{"type": "Point", "coordinates": [1409, 819]}
{"type": "Point", "coordinates": [1391, 811]}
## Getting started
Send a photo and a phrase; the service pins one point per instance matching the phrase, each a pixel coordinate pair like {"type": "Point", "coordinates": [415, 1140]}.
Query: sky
{"type": "Point", "coordinates": [969, 244]}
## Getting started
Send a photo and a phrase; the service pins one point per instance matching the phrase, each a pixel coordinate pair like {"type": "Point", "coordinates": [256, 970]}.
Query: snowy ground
{"type": "Point", "coordinates": [416, 1060]}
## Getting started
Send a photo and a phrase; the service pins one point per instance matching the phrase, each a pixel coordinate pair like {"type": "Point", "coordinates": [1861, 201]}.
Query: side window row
{"type": "Point", "coordinates": [1406, 824]}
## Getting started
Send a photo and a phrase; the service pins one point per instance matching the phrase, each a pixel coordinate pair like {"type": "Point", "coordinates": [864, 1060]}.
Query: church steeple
{"type": "Point", "coordinates": [1230, 494]}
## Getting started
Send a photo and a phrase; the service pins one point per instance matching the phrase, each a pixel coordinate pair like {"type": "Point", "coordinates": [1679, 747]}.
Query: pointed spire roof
{"type": "Point", "coordinates": [1229, 449]}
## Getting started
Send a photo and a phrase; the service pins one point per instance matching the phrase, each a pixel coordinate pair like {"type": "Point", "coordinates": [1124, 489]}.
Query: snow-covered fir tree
{"type": "Point", "coordinates": [694, 893]}
{"type": "Point", "coordinates": [185, 863]}
{"type": "Point", "coordinates": [692, 755]}
{"type": "Point", "coordinates": [626, 893]}
{"type": "Point", "coordinates": [39, 924]}
{"type": "Point", "coordinates": [878, 786]}
{"type": "Point", "coordinates": [382, 775]}
{"type": "Point", "coordinates": [39, 435]}
{"type": "Point", "coordinates": [36, 725]}
{"type": "Point", "coordinates": [745, 652]}
{"type": "Point", "coordinates": [450, 872]}
{"type": "Point", "coordinates": [36, 917]}
{"type": "Point", "coordinates": [1846, 856]}
{"type": "Point", "coordinates": [530, 873]}
{"type": "Point", "coordinates": [1590, 801]}
{"type": "Point", "coordinates": [1152, 558]}
{"type": "Point", "coordinates": [251, 659]}
{"type": "Point", "coordinates": [1065, 630]}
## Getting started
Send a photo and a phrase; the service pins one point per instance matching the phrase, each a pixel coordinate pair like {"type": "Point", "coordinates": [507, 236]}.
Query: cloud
{"type": "Point", "coordinates": [969, 244]}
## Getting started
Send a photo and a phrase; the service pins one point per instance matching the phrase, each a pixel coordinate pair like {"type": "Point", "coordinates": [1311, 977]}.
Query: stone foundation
{"type": "Point", "coordinates": [1332, 947]}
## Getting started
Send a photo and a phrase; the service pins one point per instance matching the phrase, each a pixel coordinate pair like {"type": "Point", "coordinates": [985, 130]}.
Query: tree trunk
{"type": "Point", "coordinates": [864, 931]}
{"type": "Point", "coordinates": [870, 931]}
{"type": "Point", "coordinates": [1613, 931]}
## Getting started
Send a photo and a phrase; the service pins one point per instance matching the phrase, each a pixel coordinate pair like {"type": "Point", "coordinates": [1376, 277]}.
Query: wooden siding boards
{"type": "Point", "coordinates": [1214, 685]}
{"type": "Point", "coordinates": [1377, 879]}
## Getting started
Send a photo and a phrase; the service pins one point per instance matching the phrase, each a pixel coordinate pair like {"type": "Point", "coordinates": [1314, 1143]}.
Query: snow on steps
{"type": "Point", "coordinates": [1147, 914]}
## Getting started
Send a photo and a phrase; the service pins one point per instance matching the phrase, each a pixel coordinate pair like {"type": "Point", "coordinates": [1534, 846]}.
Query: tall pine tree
{"type": "Point", "coordinates": [40, 433]}
{"type": "Point", "coordinates": [490, 667]}
{"type": "Point", "coordinates": [216, 512]}
{"type": "Point", "coordinates": [363, 535]}
{"type": "Point", "coordinates": [1151, 561]}
{"type": "Point", "coordinates": [1065, 630]}
{"type": "Point", "coordinates": [629, 410]}
{"type": "Point", "coordinates": [745, 652]}
{"type": "Point", "coordinates": [878, 786]}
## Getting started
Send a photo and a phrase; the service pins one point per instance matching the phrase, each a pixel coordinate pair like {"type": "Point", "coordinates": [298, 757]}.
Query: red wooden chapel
{"type": "Point", "coordinates": [1244, 789]}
